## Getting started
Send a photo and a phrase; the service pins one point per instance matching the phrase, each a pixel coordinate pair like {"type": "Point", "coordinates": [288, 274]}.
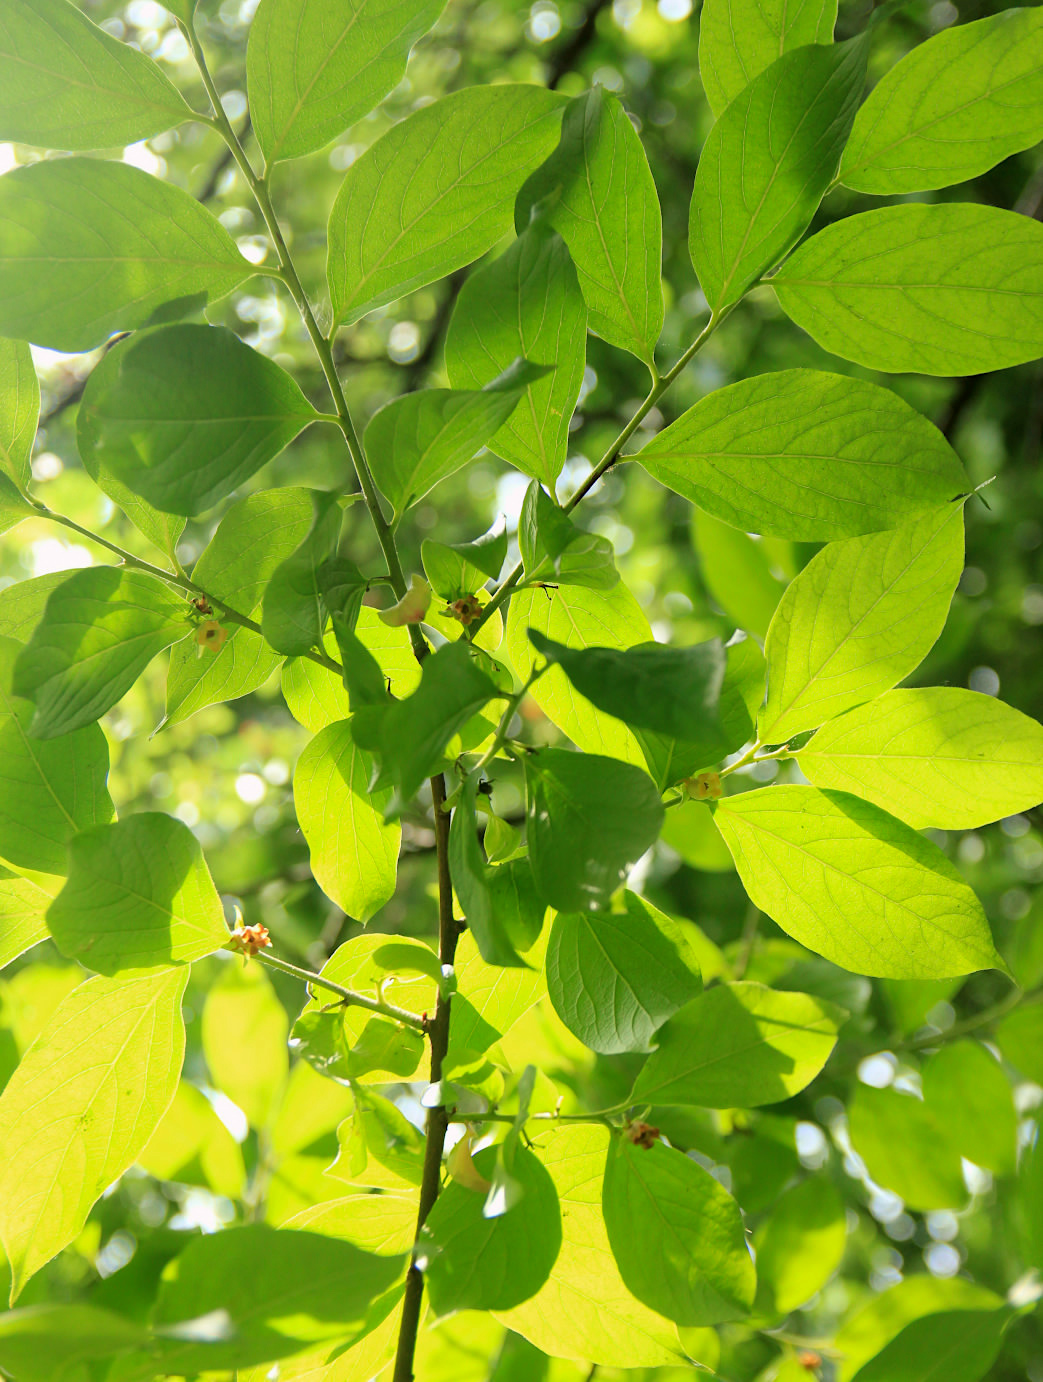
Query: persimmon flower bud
{"type": "Point", "coordinates": [467, 609]}
{"type": "Point", "coordinates": [641, 1134]}
{"type": "Point", "coordinates": [704, 786]}
{"type": "Point", "coordinates": [249, 939]}
{"type": "Point", "coordinates": [210, 635]}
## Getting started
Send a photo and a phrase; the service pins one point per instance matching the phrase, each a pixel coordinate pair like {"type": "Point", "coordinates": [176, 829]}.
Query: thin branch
{"type": "Point", "coordinates": [348, 997]}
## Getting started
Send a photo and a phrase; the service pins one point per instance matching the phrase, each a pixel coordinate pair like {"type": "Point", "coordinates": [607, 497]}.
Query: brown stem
{"type": "Point", "coordinates": [437, 1118]}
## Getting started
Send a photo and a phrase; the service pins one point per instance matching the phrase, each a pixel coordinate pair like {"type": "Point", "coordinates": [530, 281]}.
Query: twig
{"type": "Point", "coordinates": [349, 997]}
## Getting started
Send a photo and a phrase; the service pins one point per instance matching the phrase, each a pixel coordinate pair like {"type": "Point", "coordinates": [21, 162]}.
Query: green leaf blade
{"type": "Point", "coordinates": [435, 192]}
{"type": "Point", "coordinates": [806, 455]}
{"type": "Point", "coordinates": [767, 163]}
{"type": "Point", "coordinates": [948, 289]}
{"type": "Point", "coordinates": [19, 411]}
{"type": "Point", "coordinates": [138, 897]}
{"type": "Point", "coordinates": [953, 107]}
{"type": "Point", "coordinates": [954, 1346]}
{"type": "Point", "coordinates": [861, 616]}
{"type": "Point", "coordinates": [66, 84]}
{"type": "Point", "coordinates": [738, 39]}
{"type": "Point", "coordinates": [854, 884]}
{"type": "Point", "coordinates": [938, 757]}
{"type": "Point", "coordinates": [89, 1093]}
{"type": "Point", "coordinates": [89, 247]}
{"type": "Point", "coordinates": [315, 68]}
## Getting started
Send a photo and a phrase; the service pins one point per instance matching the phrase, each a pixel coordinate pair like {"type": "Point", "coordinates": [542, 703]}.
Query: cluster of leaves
{"type": "Point", "coordinates": [597, 1229]}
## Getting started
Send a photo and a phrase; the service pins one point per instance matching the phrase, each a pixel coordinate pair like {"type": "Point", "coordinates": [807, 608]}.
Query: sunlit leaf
{"type": "Point", "coordinates": [740, 38]}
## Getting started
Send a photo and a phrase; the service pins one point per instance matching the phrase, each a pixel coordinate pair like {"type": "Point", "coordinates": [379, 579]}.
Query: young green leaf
{"type": "Point", "coordinates": [255, 535]}
{"type": "Point", "coordinates": [954, 1346]}
{"type": "Point", "coordinates": [952, 108]}
{"type": "Point", "coordinates": [475, 1262]}
{"type": "Point", "coordinates": [244, 1030]}
{"type": "Point", "coordinates": [938, 756]}
{"type": "Point", "coordinates": [19, 411]}
{"type": "Point", "coordinates": [48, 791]}
{"type": "Point", "coordinates": [487, 1003]}
{"type": "Point", "coordinates": [138, 897]}
{"type": "Point", "coordinates": [314, 68]}
{"type": "Point", "coordinates": [183, 415]}
{"type": "Point", "coordinates": [767, 163]}
{"type": "Point", "coordinates": [739, 573]}
{"type": "Point", "coordinates": [294, 610]}
{"type": "Point", "coordinates": [738, 1046]}
{"type": "Point", "coordinates": [66, 84]}
{"type": "Point", "coordinates": [100, 630]}
{"type": "Point", "coordinates": [474, 880]}
{"type": "Point", "coordinates": [435, 192]}
{"type": "Point", "coordinates": [420, 438]}
{"type": "Point", "coordinates": [23, 907]}
{"type": "Point", "coordinates": [807, 455]}
{"type": "Point", "coordinates": [906, 1148]}
{"type": "Point", "coordinates": [738, 39]}
{"type": "Point", "coordinates": [671, 691]}
{"type": "Point", "coordinates": [460, 569]}
{"type": "Point", "coordinates": [597, 192]}
{"type": "Point", "coordinates": [584, 1310]}
{"type": "Point", "coordinates": [854, 884]}
{"type": "Point", "coordinates": [861, 616]}
{"type": "Point", "coordinates": [353, 853]}
{"type": "Point", "coordinates": [953, 289]}
{"type": "Point", "coordinates": [676, 1235]}
{"type": "Point", "coordinates": [554, 548]}
{"type": "Point", "coordinates": [88, 1094]}
{"type": "Point", "coordinates": [526, 303]}
{"type": "Point", "coordinates": [52, 1343]}
{"type": "Point", "coordinates": [967, 1090]}
{"type": "Point", "coordinates": [589, 819]}
{"type": "Point", "coordinates": [799, 1246]}
{"type": "Point", "coordinates": [88, 247]}
{"type": "Point", "coordinates": [580, 618]}
{"type": "Point", "coordinates": [614, 978]}
{"type": "Point", "coordinates": [279, 1289]}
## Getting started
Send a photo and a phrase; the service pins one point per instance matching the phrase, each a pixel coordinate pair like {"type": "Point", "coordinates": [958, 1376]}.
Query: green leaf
{"type": "Point", "coordinates": [435, 192]}
{"type": "Point", "coordinates": [88, 1094]}
{"type": "Point", "coordinates": [953, 289]}
{"type": "Point", "coordinates": [952, 108]}
{"type": "Point", "coordinates": [737, 1046]}
{"type": "Point", "coordinates": [473, 880]}
{"type": "Point", "coordinates": [255, 535]}
{"type": "Point", "coordinates": [671, 691]}
{"type": "Point", "coordinates": [420, 438]}
{"type": "Point", "coordinates": [279, 1289]}
{"type": "Point", "coordinates": [1020, 1037]}
{"type": "Point", "coordinates": [314, 69]}
{"type": "Point", "coordinates": [48, 791]}
{"type": "Point", "coordinates": [244, 1030]}
{"type": "Point", "coordinates": [88, 247]}
{"type": "Point", "coordinates": [526, 303]}
{"type": "Point", "coordinates": [162, 529]}
{"type": "Point", "coordinates": [66, 84]}
{"type": "Point", "coordinates": [19, 411]}
{"type": "Point", "coordinates": [415, 732]}
{"type": "Point", "coordinates": [886, 1314]}
{"type": "Point", "coordinates": [799, 1246]}
{"type": "Point", "coordinates": [614, 978]}
{"type": "Point", "coordinates": [767, 163]}
{"type": "Point", "coordinates": [383, 1224]}
{"type": "Point", "coordinates": [1029, 1203]}
{"type": "Point", "coordinates": [462, 568]}
{"type": "Point", "coordinates": [676, 1235]}
{"type": "Point", "coordinates": [966, 1089]}
{"type": "Point", "coordinates": [353, 853]}
{"type": "Point", "coordinates": [854, 884]}
{"type": "Point", "coordinates": [955, 1346]}
{"type": "Point", "coordinates": [861, 616]}
{"type": "Point", "coordinates": [739, 574]}
{"type": "Point", "coordinates": [584, 1310]}
{"type": "Point", "coordinates": [184, 414]}
{"type": "Point", "coordinates": [738, 39]}
{"type": "Point", "coordinates": [806, 455]}
{"type": "Point", "coordinates": [939, 756]}
{"type": "Point", "coordinates": [100, 630]}
{"type": "Point", "coordinates": [193, 1146]}
{"type": "Point", "coordinates": [554, 548]}
{"type": "Point", "coordinates": [596, 190]}
{"type": "Point", "coordinates": [23, 906]}
{"type": "Point", "coordinates": [580, 618]}
{"type": "Point", "coordinates": [139, 897]}
{"type": "Point", "coordinates": [294, 608]}
{"type": "Point", "coordinates": [316, 697]}
{"type": "Point", "coordinates": [589, 819]}
{"type": "Point", "coordinates": [22, 604]}
{"type": "Point", "coordinates": [53, 1343]}
{"type": "Point", "coordinates": [475, 1262]}
{"type": "Point", "coordinates": [487, 1003]}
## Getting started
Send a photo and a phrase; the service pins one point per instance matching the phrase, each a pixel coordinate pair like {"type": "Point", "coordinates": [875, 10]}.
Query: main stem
{"type": "Point", "coordinates": [437, 1118]}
